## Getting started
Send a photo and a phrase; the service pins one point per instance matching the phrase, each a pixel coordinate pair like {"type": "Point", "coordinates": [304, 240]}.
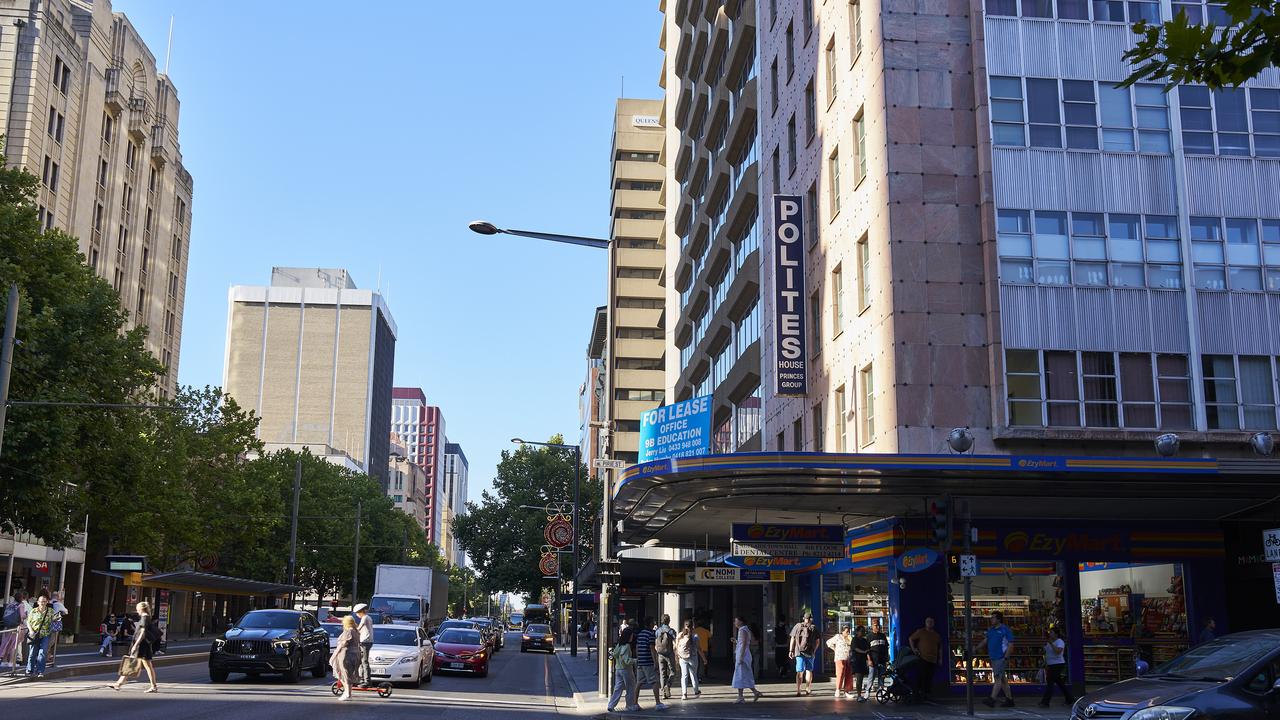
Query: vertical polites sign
{"type": "Point", "coordinates": [789, 296]}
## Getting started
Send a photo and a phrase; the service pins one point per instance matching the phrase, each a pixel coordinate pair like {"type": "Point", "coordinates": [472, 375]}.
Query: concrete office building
{"type": "Point", "coordinates": [712, 200]}
{"type": "Point", "coordinates": [90, 114]}
{"type": "Point", "coordinates": [406, 483]}
{"type": "Point", "coordinates": [454, 502]}
{"type": "Point", "coordinates": [593, 403]}
{"type": "Point", "coordinates": [313, 356]}
{"type": "Point", "coordinates": [634, 355]}
{"type": "Point", "coordinates": [422, 428]}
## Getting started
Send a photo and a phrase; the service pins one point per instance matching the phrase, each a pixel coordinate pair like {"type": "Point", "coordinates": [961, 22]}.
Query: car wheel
{"type": "Point", "coordinates": [524, 649]}
{"type": "Point", "coordinates": [431, 671]}
{"type": "Point", "coordinates": [294, 673]}
{"type": "Point", "coordinates": [218, 676]}
{"type": "Point", "coordinates": [484, 672]}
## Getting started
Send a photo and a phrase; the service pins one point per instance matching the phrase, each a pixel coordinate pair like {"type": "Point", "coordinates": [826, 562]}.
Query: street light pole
{"type": "Point", "coordinates": [488, 228]}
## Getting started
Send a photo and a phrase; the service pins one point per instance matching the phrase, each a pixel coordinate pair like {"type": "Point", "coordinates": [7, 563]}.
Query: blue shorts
{"type": "Point", "coordinates": [804, 663]}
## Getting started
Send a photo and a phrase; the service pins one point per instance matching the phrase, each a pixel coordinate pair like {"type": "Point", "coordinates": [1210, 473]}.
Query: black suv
{"type": "Point", "coordinates": [271, 641]}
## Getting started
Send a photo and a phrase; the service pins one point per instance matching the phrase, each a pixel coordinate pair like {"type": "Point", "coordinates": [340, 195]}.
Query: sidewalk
{"type": "Point", "coordinates": [780, 701]}
{"type": "Point", "coordinates": [77, 659]}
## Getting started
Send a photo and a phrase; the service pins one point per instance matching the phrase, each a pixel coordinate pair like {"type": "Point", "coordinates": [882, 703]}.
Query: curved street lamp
{"type": "Point", "coordinates": [483, 227]}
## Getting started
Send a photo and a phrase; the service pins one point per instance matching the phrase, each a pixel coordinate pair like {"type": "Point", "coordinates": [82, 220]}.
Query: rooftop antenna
{"type": "Point", "coordinates": [168, 48]}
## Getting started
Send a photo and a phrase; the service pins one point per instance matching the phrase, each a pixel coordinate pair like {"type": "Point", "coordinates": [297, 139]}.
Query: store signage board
{"type": "Point", "coordinates": [733, 575]}
{"type": "Point", "coordinates": [791, 372]}
{"type": "Point", "coordinates": [917, 559]}
{"type": "Point", "coordinates": [794, 564]}
{"type": "Point", "coordinates": [676, 576]}
{"type": "Point", "coordinates": [969, 566]}
{"type": "Point", "coordinates": [787, 549]}
{"type": "Point", "coordinates": [1271, 545]}
{"type": "Point", "coordinates": [677, 430]}
{"type": "Point", "coordinates": [781, 532]}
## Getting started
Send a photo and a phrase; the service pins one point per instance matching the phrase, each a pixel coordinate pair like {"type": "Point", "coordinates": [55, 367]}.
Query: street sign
{"type": "Point", "coordinates": [788, 549]}
{"type": "Point", "coordinates": [968, 566]}
{"type": "Point", "coordinates": [1271, 545]}
{"type": "Point", "coordinates": [609, 464]}
{"type": "Point", "coordinates": [1275, 574]}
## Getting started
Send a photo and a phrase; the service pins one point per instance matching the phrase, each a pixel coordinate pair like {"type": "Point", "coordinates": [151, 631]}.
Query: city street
{"type": "Point", "coordinates": [518, 686]}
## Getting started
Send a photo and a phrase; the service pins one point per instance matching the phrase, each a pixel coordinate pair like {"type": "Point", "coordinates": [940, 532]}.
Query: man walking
{"type": "Point", "coordinates": [646, 671]}
{"type": "Point", "coordinates": [704, 646]}
{"type": "Point", "coordinates": [664, 651]}
{"type": "Point", "coordinates": [804, 642]}
{"type": "Point", "coordinates": [365, 627]}
{"type": "Point", "coordinates": [999, 642]}
{"type": "Point", "coordinates": [925, 643]}
{"type": "Point", "coordinates": [878, 657]}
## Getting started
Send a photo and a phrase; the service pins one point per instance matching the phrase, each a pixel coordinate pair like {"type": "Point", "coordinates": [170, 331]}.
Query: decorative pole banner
{"type": "Point", "coordinates": [549, 564]}
{"type": "Point", "coordinates": [559, 531]}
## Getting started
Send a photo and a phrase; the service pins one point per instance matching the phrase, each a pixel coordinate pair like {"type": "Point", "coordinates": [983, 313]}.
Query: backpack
{"type": "Point", "coordinates": [662, 643]}
{"type": "Point", "coordinates": [12, 615]}
{"type": "Point", "coordinates": [152, 633]}
{"type": "Point", "coordinates": [804, 639]}
{"type": "Point", "coordinates": [684, 646]}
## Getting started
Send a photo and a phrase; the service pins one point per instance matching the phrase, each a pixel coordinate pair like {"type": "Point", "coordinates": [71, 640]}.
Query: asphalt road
{"type": "Point", "coordinates": [524, 686]}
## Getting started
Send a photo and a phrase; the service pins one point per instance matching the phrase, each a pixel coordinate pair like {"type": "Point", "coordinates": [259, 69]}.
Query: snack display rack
{"type": "Point", "coordinates": [1026, 617]}
{"type": "Point", "coordinates": [1107, 663]}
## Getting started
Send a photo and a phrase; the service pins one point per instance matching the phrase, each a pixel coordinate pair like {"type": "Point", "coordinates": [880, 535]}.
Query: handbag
{"type": "Point", "coordinates": [130, 666]}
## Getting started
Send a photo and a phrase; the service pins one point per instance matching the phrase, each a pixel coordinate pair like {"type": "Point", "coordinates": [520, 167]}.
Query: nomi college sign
{"type": "Point", "coordinates": [790, 369]}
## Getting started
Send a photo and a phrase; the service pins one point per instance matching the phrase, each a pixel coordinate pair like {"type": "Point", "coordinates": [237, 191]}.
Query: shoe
{"type": "Point", "coordinates": [758, 695]}
{"type": "Point", "coordinates": [861, 699]}
{"type": "Point", "coordinates": [697, 693]}
{"type": "Point", "coordinates": [1007, 703]}
{"type": "Point", "coordinates": [634, 708]}
{"type": "Point", "coordinates": [739, 701]}
{"type": "Point", "coordinates": [660, 706]}
{"type": "Point", "coordinates": [152, 689]}
{"type": "Point", "coordinates": [988, 702]}
{"type": "Point", "coordinates": [609, 709]}
{"type": "Point", "coordinates": [39, 675]}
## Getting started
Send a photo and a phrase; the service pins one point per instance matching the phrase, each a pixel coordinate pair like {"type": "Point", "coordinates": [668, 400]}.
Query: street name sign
{"type": "Point", "coordinates": [609, 463]}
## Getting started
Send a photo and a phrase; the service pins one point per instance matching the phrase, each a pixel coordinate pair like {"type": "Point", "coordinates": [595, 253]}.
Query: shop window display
{"type": "Point", "coordinates": [1130, 611]}
{"type": "Point", "coordinates": [1030, 596]}
{"type": "Point", "coordinates": [852, 600]}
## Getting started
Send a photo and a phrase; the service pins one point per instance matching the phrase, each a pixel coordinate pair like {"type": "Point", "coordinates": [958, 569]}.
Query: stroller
{"type": "Point", "coordinates": [891, 685]}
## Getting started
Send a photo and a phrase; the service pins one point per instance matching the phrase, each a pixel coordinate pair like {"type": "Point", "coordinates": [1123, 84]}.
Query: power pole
{"type": "Point", "coordinates": [293, 528]}
{"type": "Point", "coordinates": [355, 567]}
{"type": "Point", "coordinates": [6, 352]}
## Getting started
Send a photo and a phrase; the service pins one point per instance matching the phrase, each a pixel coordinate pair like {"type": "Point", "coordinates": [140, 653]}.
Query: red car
{"type": "Point", "coordinates": [461, 650]}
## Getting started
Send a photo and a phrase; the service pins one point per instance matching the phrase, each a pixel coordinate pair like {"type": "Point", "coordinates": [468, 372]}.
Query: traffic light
{"type": "Point", "coordinates": [940, 520]}
{"type": "Point", "coordinates": [953, 568]}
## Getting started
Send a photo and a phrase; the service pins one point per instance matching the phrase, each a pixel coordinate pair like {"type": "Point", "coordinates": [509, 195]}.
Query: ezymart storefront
{"type": "Point", "coordinates": [1126, 556]}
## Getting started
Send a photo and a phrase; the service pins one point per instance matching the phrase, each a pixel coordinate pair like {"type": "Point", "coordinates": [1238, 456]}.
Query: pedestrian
{"type": "Point", "coordinates": [877, 657]}
{"type": "Point", "coordinates": [60, 614]}
{"type": "Point", "coordinates": [345, 659]}
{"type": "Point", "coordinates": [744, 674]}
{"type": "Point", "coordinates": [664, 651]}
{"type": "Point", "coordinates": [804, 643]}
{"type": "Point", "coordinates": [646, 666]}
{"type": "Point", "coordinates": [39, 628]}
{"type": "Point", "coordinates": [703, 631]}
{"type": "Point", "coordinates": [999, 642]}
{"type": "Point", "coordinates": [624, 670]}
{"type": "Point", "coordinates": [1055, 668]}
{"type": "Point", "coordinates": [364, 625]}
{"type": "Point", "coordinates": [859, 649]}
{"type": "Point", "coordinates": [1209, 632]}
{"type": "Point", "coordinates": [107, 633]}
{"type": "Point", "coordinates": [841, 645]}
{"type": "Point", "coordinates": [145, 638]}
{"type": "Point", "coordinates": [12, 629]}
{"type": "Point", "coordinates": [687, 651]}
{"type": "Point", "coordinates": [925, 642]}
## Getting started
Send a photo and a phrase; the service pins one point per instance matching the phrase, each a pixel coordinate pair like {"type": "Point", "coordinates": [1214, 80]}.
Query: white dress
{"type": "Point", "coordinates": [744, 676]}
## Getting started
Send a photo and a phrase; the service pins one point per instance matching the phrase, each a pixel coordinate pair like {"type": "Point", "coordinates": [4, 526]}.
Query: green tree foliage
{"type": "Point", "coordinates": [72, 347]}
{"type": "Point", "coordinates": [1181, 51]}
{"type": "Point", "coordinates": [467, 591]}
{"type": "Point", "coordinates": [504, 541]}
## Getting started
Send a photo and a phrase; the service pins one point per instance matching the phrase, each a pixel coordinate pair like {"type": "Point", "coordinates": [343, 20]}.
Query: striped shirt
{"type": "Point", "coordinates": [644, 647]}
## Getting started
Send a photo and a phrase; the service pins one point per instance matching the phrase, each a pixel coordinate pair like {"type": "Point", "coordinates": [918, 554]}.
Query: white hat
{"type": "Point", "coordinates": [360, 607]}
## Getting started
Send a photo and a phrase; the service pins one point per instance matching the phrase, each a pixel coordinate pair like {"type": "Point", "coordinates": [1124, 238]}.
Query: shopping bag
{"type": "Point", "coordinates": [130, 666]}
{"type": "Point", "coordinates": [1040, 676]}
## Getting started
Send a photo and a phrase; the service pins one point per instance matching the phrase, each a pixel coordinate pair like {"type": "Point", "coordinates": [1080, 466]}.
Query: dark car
{"type": "Point", "coordinates": [537, 637]}
{"type": "Point", "coordinates": [1235, 676]}
{"type": "Point", "coordinates": [462, 650]}
{"type": "Point", "coordinates": [495, 631]}
{"type": "Point", "coordinates": [271, 641]}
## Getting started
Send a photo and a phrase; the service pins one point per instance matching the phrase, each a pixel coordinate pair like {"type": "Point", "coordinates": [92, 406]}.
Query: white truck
{"type": "Point", "coordinates": [410, 594]}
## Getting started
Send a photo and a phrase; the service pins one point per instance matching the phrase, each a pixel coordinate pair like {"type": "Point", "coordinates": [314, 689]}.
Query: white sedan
{"type": "Point", "coordinates": [401, 654]}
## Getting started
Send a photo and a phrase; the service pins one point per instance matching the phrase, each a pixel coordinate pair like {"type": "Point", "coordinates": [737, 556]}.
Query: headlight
{"type": "Point", "coordinates": [526, 637]}
{"type": "Point", "coordinates": [282, 645]}
{"type": "Point", "coordinates": [219, 643]}
{"type": "Point", "coordinates": [1164, 712]}
{"type": "Point", "coordinates": [406, 660]}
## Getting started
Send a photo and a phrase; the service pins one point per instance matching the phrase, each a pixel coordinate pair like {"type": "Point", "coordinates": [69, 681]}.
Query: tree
{"type": "Point", "coordinates": [72, 347]}
{"type": "Point", "coordinates": [503, 540]}
{"type": "Point", "coordinates": [467, 591]}
{"type": "Point", "coordinates": [1184, 51]}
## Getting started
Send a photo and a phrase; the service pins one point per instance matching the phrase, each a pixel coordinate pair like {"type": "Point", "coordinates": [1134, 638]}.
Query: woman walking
{"type": "Point", "coordinates": [858, 650]}
{"type": "Point", "coordinates": [687, 652]}
{"type": "Point", "coordinates": [345, 659]}
{"type": "Point", "coordinates": [841, 645]}
{"type": "Point", "coordinates": [744, 676]}
{"type": "Point", "coordinates": [144, 638]}
{"type": "Point", "coordinates": [1055, 666]}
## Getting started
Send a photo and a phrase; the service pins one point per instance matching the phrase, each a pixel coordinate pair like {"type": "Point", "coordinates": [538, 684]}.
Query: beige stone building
{"type": "Point", "coordinates": [313, 356]}
{"type": "Point", "coordinates": [91, 115]}
{"type": "Point", "coordinates": [634, 366]}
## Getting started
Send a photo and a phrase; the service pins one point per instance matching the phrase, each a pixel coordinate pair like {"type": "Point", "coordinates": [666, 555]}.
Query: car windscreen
{"type": "Point", "coordinates": [457, 625]}
{"type": "Point", "coordinates": [400, 607]}
{"type": "Point", "coordinates": [517, 619]}
{"type": "Point", "coordinates": [395, 636]}
{"type": "Point", "coordinates": [1220, 659]}
{"type": "Point", "coordinates": [334, 629]}
{"type": "Point", "coordinates": [539, 629]}
{"type": "Point", "coordinates": [459, 637]}
{"type": "Point", "coordinates": [269, 620]}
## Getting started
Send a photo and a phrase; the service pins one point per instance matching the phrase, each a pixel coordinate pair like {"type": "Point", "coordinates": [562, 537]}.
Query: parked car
{"type": "Point", "coordinates": [333, 629]}
{"type": "Point", "coordinates": [496, 632]}
{"type": "Point", "coordinates": [538, 637]}
{"type": "Point", "coordinates": [271, 641]}
{"type": "Point", "coordinates": [401, 653]}
{"type": "Point", "coordinates": [1234, 676]}
{"type": "Point", "coordinates": [462, 650]}
{"type": "Point", "coordinates": [454, 624]}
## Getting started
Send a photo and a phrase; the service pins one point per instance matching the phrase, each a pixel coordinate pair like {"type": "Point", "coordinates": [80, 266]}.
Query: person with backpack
{"type": "Point", "coordinates": [39, 628]}
{"type": "Point", "coordinates": [664, 651]}
{"type": "Point", "coordinates": [145, 639]}
{"type": "Point", "coordinates": [687, 653]}
{"type": "Point", "coordinates": [14, 614]}
{"type": "Point", "coordinates": [804, 643]}
{"type": "Point", "coordinates": [624, 670]}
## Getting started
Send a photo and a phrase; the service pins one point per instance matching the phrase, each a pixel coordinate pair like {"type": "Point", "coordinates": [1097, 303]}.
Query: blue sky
{"type": "Point", "coordinates": [322, 137]}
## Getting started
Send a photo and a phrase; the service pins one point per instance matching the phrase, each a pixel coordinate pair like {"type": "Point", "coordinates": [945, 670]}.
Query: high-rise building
{"type": "Point", "coordinates": [455, 500]}
{"type": "Point", "coordinates": [91, 115]}
{"type": "Point", "coordinates": [634, 355]}
{"type": "Point", "coordinates": [712, 273]}
{"type": "Point", "coordinates": [593, 398]}
{"type": "Point", "coordinates": [406, 483]}
{"type": "Point", "coordinates": [314, 356]}
{"type": "Point", "coordinates": [422, 428]}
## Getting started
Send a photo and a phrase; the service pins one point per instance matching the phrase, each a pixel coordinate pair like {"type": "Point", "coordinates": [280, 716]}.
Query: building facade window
{"type": "Point", "coordinates": [1070, 113]}
{"type": "Point", "coordinates": [830, 61]}
{"type": "Point", "coordinates": [864, 273]}
{"type": "Point", "coordinates": [837, 302]}
{"type": "Point", "coordinates": [792, 150]}
{"type": "Point", "coordinates": [810, 111]}
{"type": "Point", "coordinates": [859, 147]}
{"type": "Point", "coordinates": [1113, 249]}
{"type": "Point", "coordinates": [791, 51]}
{"type": "Point", "coordinates": [833, 172]}
{"type": "Point", "coordinates": [840, 408]}
{"type": "Point", "coordinates": [1230, 121]}
{"type": "Point", "coordinates": [819, 429]}
{"type": "Point", "coordinates": [855, 29]}
{"type": "Point", "coordinates": [867, 376]}
{"type": "Point", "coordinates": [815, 322]}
